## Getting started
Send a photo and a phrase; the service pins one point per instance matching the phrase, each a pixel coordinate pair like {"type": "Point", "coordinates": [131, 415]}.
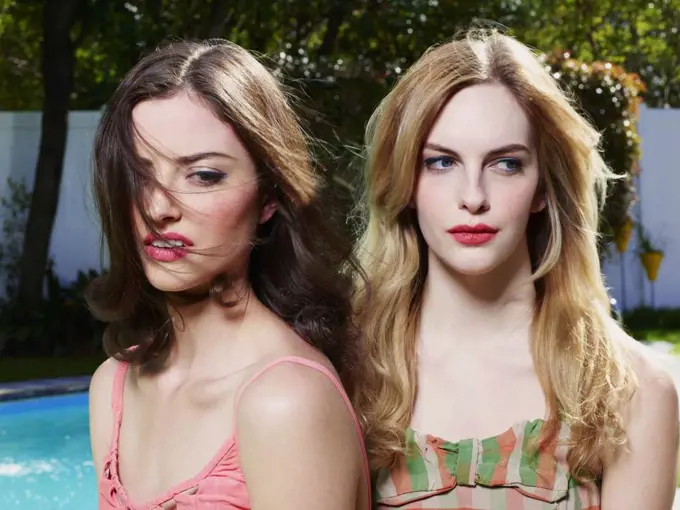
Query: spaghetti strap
{"type": "Point", "coordinates": [338, 386]}
{"type": "Point", "coordinates": [299, 361]}
{"type": "Point", "coordinates": [221, 483]}
{"type": "Point", "coordinates": [117, 400]}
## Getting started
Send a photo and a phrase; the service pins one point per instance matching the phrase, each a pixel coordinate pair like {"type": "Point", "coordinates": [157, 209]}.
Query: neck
{"type": "Point", "coordinates": [478, 307]}
{"type": "Point", "coordinates": [206, 329]}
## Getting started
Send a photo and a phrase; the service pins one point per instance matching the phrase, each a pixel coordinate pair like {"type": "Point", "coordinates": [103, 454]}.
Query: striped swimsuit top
{"type": "Point", "coordinates": [497, 473]}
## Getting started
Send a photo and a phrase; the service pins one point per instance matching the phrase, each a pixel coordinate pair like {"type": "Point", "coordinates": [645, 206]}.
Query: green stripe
{"type": "Point", "coordinates": [450, 457]}
{"type": "Point", "coordinates": [573, 495]}
{"type": "Point", "coordinates": [491, 457]}
{"type": "Point", "coordinates": [465, 460]}
{"type": "Point", "coordinates": [530, 455]}
{"type": "Point", "coordinates": [415, 464]}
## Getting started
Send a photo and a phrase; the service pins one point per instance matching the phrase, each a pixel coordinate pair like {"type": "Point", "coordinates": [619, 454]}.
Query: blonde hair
{"type": "Point", "coordinates": [583, 375]}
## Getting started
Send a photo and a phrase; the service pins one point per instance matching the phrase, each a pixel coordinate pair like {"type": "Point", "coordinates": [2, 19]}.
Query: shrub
{"type": "Point", "coordinates": [610, 97]}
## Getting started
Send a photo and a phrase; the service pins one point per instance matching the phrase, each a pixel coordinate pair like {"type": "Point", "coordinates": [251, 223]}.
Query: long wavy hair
{"type": "Point", "coordinates": [298, 261]}
{"type": "Point", "coordinates": [584, 376]}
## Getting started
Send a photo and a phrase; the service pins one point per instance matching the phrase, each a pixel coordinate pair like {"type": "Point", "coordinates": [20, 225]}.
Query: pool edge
{"type": "Point", "coordinates": [43, 387]}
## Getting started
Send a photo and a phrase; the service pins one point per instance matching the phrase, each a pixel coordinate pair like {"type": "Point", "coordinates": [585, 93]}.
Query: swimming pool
{"type": "Point", "coordinates": [45, 460]}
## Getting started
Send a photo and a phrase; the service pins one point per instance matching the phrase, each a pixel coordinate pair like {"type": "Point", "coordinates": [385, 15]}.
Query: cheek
{"type": "Point", "coordinates": [436, 206]}
{"type": "Point", "coordinates": [229, 213]}
{"type": "Point", "coordinates": [433, 196]}
{"type": "Point", "coordinates": [514, 204]}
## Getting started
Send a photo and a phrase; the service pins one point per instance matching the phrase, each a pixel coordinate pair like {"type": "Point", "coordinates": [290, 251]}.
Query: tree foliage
{"type": "Point", "coordinates": [609, 96]}
{"type": "Point", "coordinates": [341, 56]}
{"type": "Point", "coordinates": [642, 36]}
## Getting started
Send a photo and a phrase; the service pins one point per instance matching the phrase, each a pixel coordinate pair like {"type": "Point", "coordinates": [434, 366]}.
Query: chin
{"type": "Point", "coordinates": [170, 286]}
{"type": "Point", "coordinates": [472, 269]}
{"type": "Point", "coordinates": [472, 264]}
{"type": "Point", "coordinates": [169, 280]}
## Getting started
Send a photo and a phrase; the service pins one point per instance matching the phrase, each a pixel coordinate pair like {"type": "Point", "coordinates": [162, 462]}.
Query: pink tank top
{"type": "Point", "coordinates": [220, 485]}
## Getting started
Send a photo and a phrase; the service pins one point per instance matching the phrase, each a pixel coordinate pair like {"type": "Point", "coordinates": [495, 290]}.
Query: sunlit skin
{"type": "Point", "coordinates": [208, 193]}
{"type": "Point", "coordinates": [178, 418]}
{"type": "Point", "coordinates": [479, 165]}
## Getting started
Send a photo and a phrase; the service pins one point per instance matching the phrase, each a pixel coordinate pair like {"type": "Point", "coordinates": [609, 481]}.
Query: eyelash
{"type": "Point", "coordinates": [207, 177]}
{"type": "Point", "coordinates": [429, 162]}
{"type": "Point", "coordinates": [437, 159]}
{"type": "Point", "coordinates": [519, 166]}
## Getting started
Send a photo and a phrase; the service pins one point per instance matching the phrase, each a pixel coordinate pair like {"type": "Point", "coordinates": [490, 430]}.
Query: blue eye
{"type": "Point", "coordinates": [509, 165]}
{"type": "Point", "coordinates": [439, 163]}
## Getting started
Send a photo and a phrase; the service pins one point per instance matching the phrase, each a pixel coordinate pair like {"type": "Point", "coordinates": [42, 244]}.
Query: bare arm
{"type": "Point", "coordinates": [101, 414]}
{"type": "Point", "coordinates": [644, 473]}
{"type": "Point", "coordinates": [298, 444]}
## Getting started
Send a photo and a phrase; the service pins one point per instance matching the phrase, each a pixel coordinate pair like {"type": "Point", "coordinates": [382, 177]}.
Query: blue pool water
{"type": "Point", "coordinates": [45, 459]}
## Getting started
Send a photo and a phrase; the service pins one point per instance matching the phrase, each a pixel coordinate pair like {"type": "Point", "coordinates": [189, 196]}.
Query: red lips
{"type": "Point", "coordinates": [167, 247]}
{"type": "Point", "coordinates": [473, 235]}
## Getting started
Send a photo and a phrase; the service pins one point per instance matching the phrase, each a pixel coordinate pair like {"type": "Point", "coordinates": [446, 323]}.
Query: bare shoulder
{"type": "Point", "coordinates": [653, 381]}
{"type": "Point", "coordinates": [294, 416]}
{"type": "Point", "coordinates": [289, 387]}
{"type": "Point", "coordinates": [654, 405]}
{"type": "Point", "coordinates": [651, 421]}
{"type": "Point", "coordinates": [294, 372]}
{"type": "Point", "coordinates": [101, 383]}
{"type": "Point", "coordinates": [101, 412]}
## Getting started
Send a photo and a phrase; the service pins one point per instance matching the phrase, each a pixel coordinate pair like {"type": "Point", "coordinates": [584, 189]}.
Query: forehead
{"type": "Point", "coordinates": [181, 125]}
{"type": "Point", "coordinates": [481, 118]}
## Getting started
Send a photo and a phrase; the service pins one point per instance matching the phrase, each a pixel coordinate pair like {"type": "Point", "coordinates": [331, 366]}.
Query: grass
{"type": "Point", "coordinates": [666, 335]}
{"type": "Point", "coordinates": [672, 336]}
{"type": "Point", "coordinates": [24, 369]}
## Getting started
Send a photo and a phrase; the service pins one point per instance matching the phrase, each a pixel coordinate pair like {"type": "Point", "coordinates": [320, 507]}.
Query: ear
{"type": "Point", "coordinates": [539, 203]}
{"type": "Point", "coordinates": [268, 210]}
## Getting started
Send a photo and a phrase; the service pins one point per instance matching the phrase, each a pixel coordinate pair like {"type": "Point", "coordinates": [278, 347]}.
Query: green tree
{"type": "Point", "coordinates": [643, 36]}
{"type": "Point", "coordinates": [57, 66]}
{"type": "Point", "coordinates": [20, 77]}
{"type": "Point", "coordinates": [340, 55]}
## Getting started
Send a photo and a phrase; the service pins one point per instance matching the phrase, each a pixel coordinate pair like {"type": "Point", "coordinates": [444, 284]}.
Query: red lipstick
{"type": "Point", "coordinates": [167, 247]}
{"type": "Point", "coordinates": [473, 235]}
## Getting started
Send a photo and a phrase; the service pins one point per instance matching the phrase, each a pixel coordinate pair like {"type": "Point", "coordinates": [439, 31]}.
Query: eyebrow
{"type": "Point", "coordinates": [513, 147]}
{"type": "Point", "coordinates": [200, 156]}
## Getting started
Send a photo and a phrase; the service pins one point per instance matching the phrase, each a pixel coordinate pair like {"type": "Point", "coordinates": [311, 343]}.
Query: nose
{"type": "Point", "coordinates": [473, 196]}
{"type": "Point", "coordinates": [162, 207]}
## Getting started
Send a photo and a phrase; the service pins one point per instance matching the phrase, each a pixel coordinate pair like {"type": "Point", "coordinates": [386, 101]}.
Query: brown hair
{"type": "Point", "coordinates": [584, 377]}
{"type": "Point", "coordinates": [297, 264]}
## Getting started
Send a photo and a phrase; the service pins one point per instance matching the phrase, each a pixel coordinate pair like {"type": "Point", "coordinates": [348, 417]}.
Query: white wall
{"type": "Point", "coordinates": [76, 245]}
{"type": "Point", "coordinates": [659, 211]}
{"type": "Point", "coordinates": [75, 238]}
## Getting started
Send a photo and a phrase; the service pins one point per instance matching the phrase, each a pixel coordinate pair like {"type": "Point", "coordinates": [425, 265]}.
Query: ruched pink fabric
{"type": "Point", "coordinates": [219, 486]}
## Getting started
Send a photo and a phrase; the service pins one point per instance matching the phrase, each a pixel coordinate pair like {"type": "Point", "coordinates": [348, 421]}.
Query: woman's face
{"type": "Point", "coordinates": [207, 205]}
{"type": "Point", "coordinates": [478, 182]}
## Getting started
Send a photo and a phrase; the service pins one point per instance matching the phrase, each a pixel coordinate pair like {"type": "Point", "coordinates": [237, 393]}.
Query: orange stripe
{"type": "Point", "coordinates": [507, 442]}
{"type": "Point", "coordinates": [444, 474]}
{"type": "Point", "coordinates": [401, 478]}
{"type": "Point", "coordinates": [547, 464]}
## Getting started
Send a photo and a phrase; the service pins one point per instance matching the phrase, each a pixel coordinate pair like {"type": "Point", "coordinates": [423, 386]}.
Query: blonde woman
{"type": "Point", "coordinates": [493, 376]}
